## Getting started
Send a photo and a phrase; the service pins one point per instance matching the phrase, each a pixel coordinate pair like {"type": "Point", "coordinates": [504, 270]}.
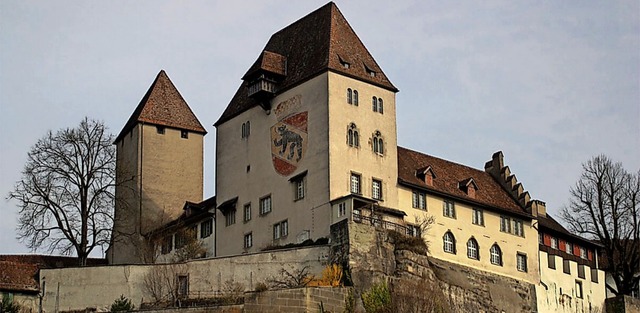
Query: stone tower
{"type": "Point", "coordinates": [159, 167]}
{"type": "Point", "coordinates": [311, 128]}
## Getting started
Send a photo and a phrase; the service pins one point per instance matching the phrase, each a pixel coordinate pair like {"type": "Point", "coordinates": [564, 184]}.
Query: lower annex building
{"type": "Point", "coordinates": [309, 140]}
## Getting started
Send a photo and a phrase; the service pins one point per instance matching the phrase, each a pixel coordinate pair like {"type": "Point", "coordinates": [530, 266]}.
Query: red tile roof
{"type": "Point", "coordinates": [449, 175]}
{"type": "Point", "coordinates": [163, 105]}
{"type": "Point", "coordinates": [20, 272]}
{"type": "Point", "coordinates": [321, 41]}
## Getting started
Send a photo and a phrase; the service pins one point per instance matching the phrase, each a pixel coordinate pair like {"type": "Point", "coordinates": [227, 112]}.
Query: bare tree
{"type": "Point", "coordinates": [66, 194]}
{"type": "Point", "coordinates": [605, 206]}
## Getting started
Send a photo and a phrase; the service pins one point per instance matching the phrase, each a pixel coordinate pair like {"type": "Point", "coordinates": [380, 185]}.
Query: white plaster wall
{"type": "Point", "coordinates": [344, 159]}
{"type": "Point", "coordinates": [98, 287]}
{"type": "Point", "coordinates": [551, 299]}
{"type": "Point", "coordinates": [234, 154]}
{"type": "Point", "coordinates": [463, 229]}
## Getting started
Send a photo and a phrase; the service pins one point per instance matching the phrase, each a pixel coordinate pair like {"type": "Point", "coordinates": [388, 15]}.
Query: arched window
{"type": "Point", "coordinates": [449, 243]}
{"type": "Point", "coordinates": [374, 103]}
{"type": "Point", "coordinates": [353, 139]}
{"type": "Point", "coordinates": [472, 249]}
{"type": "Point", "coordinates": [349, 96]}
{"type": "Point", "coordinates": [378, 144]}
{"type": "Point", "coordinates": [496, 255]}
{"type": "Point", "coordinates": [355, 97]}
{"type": "Point", "coordinates": [380, 105]}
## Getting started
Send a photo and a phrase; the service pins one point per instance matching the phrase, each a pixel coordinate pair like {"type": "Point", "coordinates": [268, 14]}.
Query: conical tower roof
{"type": "Point", "coordinates": [163, 105]}
{"type": "Point", "coordinates": [321, 41]}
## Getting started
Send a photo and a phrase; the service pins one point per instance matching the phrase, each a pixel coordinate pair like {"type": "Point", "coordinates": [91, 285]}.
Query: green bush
{"type": "Point", "coordinates": [377, 299]}
{"type": "Point", "coordinates": [7, 305]}
{"type": "Point", "coordinates": [122, 304]}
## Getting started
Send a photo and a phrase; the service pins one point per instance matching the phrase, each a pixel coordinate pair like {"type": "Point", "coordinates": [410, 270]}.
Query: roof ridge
{"type": "Point", "coordinates": [444, 160]}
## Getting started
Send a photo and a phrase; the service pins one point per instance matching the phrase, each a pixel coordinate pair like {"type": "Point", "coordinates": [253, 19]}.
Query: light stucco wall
{"type": "Point", "coordinates": [166, 170]}
{"type": "Point", "coordinates": [463, 229]}
{"type": "Point", "coordinates": [556, 291]}
{"type": "Point", "coordinates": [344, 159]}
{"type": "Point", "coordinates": [244, 169]}
{"type": "Point", "coordinates": [98, 287]}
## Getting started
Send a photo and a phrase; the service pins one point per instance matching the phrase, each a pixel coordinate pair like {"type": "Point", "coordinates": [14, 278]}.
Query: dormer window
{"type": "Point", "coordinates": [469, 187]}
{"type": "Point", "coordinates": [426, 174]}
{"type": "Point", "coordinates": [344, 63]}
{"type": "Point", "coordinates": [369, 71]}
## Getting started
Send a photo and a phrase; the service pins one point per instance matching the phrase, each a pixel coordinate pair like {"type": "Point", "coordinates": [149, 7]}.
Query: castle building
{"type": "Point", "coordinates": [159, 167]}
{"type": "Point", "coordinates": [309, 140]}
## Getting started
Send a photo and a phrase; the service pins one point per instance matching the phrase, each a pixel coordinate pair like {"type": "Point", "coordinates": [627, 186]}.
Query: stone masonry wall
{"type": "Point", "coordinates": [622, 304]}
{"type": "Point", "coordinates": [296, 300]}
{"type": "Point", "coordinates": [372, 258]}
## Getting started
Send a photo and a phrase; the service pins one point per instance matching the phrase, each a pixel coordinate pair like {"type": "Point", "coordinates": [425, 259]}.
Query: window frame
{"type": "Point", "coordinates": [355, 97]}
{"type": "Point", "coordinates": [248, 240]}
{"type": "Point", "coordinates": [264, 209]}
{"type": "Point", "coordinates": [449, 242]}
{"type": "Point", "coordinates": [230, 217]}
{"type": "Point", "coordinates": [554, 243]}
{"type": "Point", "coordinates": [184, 134]}
{"type": "Point", "coordinates": [495, 254]}
{"type": "Point", "coordinates": [505, 224]}
{"type": "Point", "coordinates": [299, 189]}
{"type": "Point", "coordinates": [342, 209]}
{"type": "Point", "coordinates": [206, 228]}
{"type": "Point", "coordinates": [355, 183]}
{"type": "Point", "coordinates": [160, 130]}
{"type": "Point", "coordinates": [477, 216]}
{"type": "Point", "coordinates": [281, 229]}
{"type": "Point", "coordinates": [579, 290]}
{"type": "Point", "coordinates": [376, 189]}
{"type": "Point", "coordinates": [246, 208]}
{"type": "Point", "coordinates": [349, 96]}
{"type": "Point", "coordinates": [449, 209]}
{"type": "Point", "coordinates": [521, 262]}
{"type": "Point", "coordinates": [518, 227]}
{"type": "Point", "coordinates": [473, 249]}
{"type": "Point", "coordinates": [419, 200]}
{"type": "Point", "coordinates": [374, 103]}
{"type": "Point", "coordinates": [551, 261]}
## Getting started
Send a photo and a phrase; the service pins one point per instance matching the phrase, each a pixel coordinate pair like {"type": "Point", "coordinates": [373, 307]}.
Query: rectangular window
{"type": "Point", "coordinates": [521, 260]}
{"type": "Point", "coordinates": [566, 267]}
{"type": "Point", "coordinates": [579, 289]}
{"type": "Point", "coordinates": [448, 209]}
{"type": "Point", "coordinates": [418, 200]}
{"type": "Point", "coordinates": [569, 248]}
{"type": "Point", "coordinates": [376, 189]}
{"type": "Point", "coordinates": [478, 217]}
{"type": "Point", "coordinates": [206, 228]}
{"type": "Point", "coordinates": [180, 240]}
{"type": "Point", "coordinates": [246, 129]}
{"type": "Point", "coordinates": [230, 218]}
{"type": "Point", "coordinates": [298, 188]}
{"type": "Point", "coordinates": [167, 244]}
{"type": "Point", "coordinates": [581, 271]}
{"type": "Point", "coordinates": [505, 224]}
{"type": "Point", "coordinates": [552, 261]}
{"type": "Point", "coordinates": [355, 183]}
{"type": "Point", "coordinates": [583, 253]}
{"type": "Point", "coordinates": [160, 130]}
{"type": "Point", "coordinates": [183, 286]}
{"type": "Point", "coordinates": [594, 275]}
{"type": "Point", "coordinates": [518, 228]}
{"type": "Point", "coordinates": [554, 242]}
{"type": "Point", "coordinates": [247, 212]}
{"type": "Point", "coordinates": [357, 215]}
{"type": "Point", "coordinates": [248, 240]}
{"type": "Point", "coordinates": [342, 209]}
{"type": "Point", "coordinates": [281, 229]}
{"type": "Point", "coordinates": [413, 230]}
{"type": "Point", "coordinates": [265, 205]}
{"type": "Point", "coordinates": [184, 134]}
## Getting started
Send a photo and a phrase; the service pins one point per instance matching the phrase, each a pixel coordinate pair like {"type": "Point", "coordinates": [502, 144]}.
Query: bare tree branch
{"type": "Point", "coordinates": [66, 194]}
{"type": "Point", "coordinates": [604, 206]}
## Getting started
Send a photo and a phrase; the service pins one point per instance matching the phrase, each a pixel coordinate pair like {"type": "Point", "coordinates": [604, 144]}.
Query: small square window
{"type": "Point", "coordinates": [418, 200]}
{"type": "Point", "coordinates": [160, 130]}
{"type": "Point", "coordinates": [184, 134]}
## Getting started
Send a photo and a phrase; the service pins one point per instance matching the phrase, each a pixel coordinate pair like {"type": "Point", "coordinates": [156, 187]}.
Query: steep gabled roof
{"type": "Point", "coordinates": [321, 41]}
{"type": "Point", "coordinates": [163, 105]}
{"type": "Point", "coordinates": [450, 174]}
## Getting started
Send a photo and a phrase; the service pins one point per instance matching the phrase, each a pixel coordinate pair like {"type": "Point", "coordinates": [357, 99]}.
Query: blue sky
{"type": "Point", "coordinates": [549, 83]}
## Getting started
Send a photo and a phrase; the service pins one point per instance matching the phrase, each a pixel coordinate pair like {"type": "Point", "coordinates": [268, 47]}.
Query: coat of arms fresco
{"type": "Point", "coordinates": [288, 136]}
